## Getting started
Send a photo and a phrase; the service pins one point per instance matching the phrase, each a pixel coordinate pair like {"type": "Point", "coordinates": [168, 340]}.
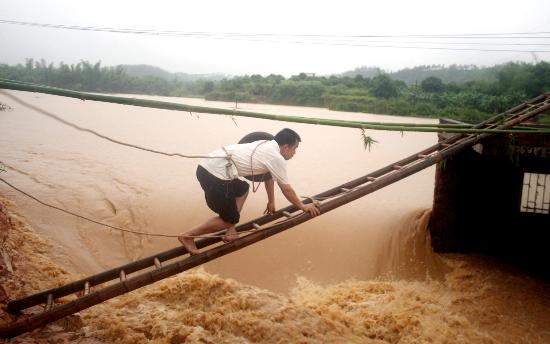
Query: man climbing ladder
{"type": "Point", "coordinates": [225, 193]}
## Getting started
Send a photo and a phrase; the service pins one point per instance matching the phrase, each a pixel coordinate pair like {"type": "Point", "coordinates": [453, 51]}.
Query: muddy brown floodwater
{"type": "Point", "coordinates": [363, 272]}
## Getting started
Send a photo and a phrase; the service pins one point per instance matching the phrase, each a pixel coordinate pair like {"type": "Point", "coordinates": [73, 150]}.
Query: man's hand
{"type": "Point", "coordinates": [311, 209]}
{"type": "Point", "coordinates": [291, 196]}
{"type": "Point", "coordinates": [270, 208]}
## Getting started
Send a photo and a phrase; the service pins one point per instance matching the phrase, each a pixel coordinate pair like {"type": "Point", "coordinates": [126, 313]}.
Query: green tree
{"type": "Point", "coordinates": [432, 85]}
{"type": "Point", "coordinates": [384, 87]}
{"type": "Point", "coordinates": [208, 87]}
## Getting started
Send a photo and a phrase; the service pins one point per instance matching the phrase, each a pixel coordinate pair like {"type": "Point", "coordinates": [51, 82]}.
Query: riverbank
{"type": "Point", "coordinates": [27, 267]}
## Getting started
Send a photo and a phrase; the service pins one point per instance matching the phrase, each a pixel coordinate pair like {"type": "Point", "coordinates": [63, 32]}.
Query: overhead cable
{"type": "Point", "coordinates": [325, 39]}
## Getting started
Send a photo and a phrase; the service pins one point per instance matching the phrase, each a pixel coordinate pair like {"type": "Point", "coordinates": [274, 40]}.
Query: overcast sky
{"type": "Point", "coordinates": [286, 55]}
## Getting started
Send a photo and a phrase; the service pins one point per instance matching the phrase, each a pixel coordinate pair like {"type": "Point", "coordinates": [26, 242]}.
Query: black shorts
{"type": "Point", "coordinates": [220, 194]}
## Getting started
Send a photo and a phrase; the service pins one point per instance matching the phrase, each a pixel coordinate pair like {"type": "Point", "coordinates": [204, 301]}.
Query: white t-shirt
{"type": "Point", "coordinates": [267, 158]}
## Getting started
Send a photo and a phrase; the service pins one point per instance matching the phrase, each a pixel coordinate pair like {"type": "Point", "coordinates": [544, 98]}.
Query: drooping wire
{"type": "Point", "coordinates": [68, 212]}
{"type": "Point", "coordinates": [81, 216]}
{"type": "Point", "coordinates": [72, 125]}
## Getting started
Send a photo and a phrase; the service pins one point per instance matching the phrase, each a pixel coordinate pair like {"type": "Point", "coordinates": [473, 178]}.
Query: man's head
{"type": "Point", "coordinates": [288, 141]}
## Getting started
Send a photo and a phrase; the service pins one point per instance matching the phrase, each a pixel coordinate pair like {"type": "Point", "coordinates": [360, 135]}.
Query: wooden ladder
{"type": "Point", "coordinates": [123, 279]}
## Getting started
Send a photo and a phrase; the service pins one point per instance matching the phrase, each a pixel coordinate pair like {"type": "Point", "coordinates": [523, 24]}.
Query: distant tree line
{"type": "Point", "coordinates": [470, 101]}
{"type": "Point", "coordinates": [454, 73]}
{"type": "Point", "coordinates": [473, 100]}
{"type": "Point", "coordinates": [85, 76]}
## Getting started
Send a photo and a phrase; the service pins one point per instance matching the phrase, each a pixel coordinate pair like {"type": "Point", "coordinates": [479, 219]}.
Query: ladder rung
{"type": "Point", "coordinates": [371, 179]}
{"type": "Point", "coordinates": [122, 275]}
{"type": "Point", "coordinates": [287, 214]}
{"type": "Point", "coordinates": [397, 167]}
{"type": "Point", "coordinates": [345, 190]}
{"type": "Point", "coordinates": [86, 288]}
{"type": "Point", "coordinates": [49, 303]}
{"type": "Point", "coordinates": [157, 262]}
{"type": "Point", "coordinates": [257, 226]}
{"type": "Point", "coordinates": [422, 156]}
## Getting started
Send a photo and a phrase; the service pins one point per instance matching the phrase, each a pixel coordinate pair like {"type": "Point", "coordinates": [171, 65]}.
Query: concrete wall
{"type": "Point", "coordinates": [477, 202]}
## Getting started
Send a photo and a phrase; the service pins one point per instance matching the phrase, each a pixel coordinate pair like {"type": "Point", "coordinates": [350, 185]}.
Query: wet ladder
{"type": "Point", "coordinates": [96, 289]}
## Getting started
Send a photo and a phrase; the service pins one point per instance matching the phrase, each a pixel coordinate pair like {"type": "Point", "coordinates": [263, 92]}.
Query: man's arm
{"type": "Point", "coordinates": [270, 189]}
{"type": "Point", "coordinates": [291, 196]}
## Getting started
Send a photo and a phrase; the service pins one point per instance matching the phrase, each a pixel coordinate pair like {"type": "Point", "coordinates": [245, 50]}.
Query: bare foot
{"type": "Point", "coordinates": [189, 244]}
{"type": "Point", "coordinates": [230, 235]}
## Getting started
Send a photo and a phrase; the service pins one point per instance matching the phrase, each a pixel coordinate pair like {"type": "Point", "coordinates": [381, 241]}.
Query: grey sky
{"type": "Point", "coordinates": [268, 55]}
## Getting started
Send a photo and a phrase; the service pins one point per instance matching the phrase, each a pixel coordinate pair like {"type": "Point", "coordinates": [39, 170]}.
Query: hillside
{"type": "Point", "coordinates": [458, 74]}
{"type": "Point", "coordinates": [143, 70]}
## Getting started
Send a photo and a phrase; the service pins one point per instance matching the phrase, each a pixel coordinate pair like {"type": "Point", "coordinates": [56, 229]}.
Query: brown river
{"type": "Point", "coordinates": [362, 273]}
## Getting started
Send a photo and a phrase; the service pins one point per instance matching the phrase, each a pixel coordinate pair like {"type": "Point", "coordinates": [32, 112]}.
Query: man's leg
{"type": "Point", "coordinates": [212, 225]}
{"type": "Point", "coordinates": [240, 201]}
{"type": "Point", "coordinates": [231, 233]}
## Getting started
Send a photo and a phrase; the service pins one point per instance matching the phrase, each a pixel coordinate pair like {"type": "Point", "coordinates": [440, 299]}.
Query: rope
{"type": "Point", "coordinates": [206, 236]}
{"type": "Point", "coordinates": [84, 217]}
{"type": "Point", "coordinates": [74, 126]}
{"type": "Point", "coordinates": [317, 200]}
{"type": "Point", "coordinates": [255, 188]}
{"type": "Point", "coordinates": [230, 163]}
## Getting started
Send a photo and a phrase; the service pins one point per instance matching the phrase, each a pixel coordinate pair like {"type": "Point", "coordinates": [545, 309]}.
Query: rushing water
{"type": "Point", "coordinates": [324, 267]}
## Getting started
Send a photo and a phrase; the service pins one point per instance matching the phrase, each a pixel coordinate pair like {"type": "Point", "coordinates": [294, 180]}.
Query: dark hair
{"type": "Point", "coordinates": [287, 137]}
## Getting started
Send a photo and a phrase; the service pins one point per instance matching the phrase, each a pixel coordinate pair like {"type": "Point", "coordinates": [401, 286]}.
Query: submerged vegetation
{"type": "Point", "coordinates": [487, 91]}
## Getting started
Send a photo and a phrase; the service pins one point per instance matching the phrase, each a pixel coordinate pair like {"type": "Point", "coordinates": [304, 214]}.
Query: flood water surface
{"type": "Point", "coordinates": [142, 191]}
{"type": "Point", "coordinates": [363, 272]}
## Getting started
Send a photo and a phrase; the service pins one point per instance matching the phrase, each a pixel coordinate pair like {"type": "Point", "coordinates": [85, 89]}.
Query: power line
{"type": "Point", "coordinates": [320, 39]}
{"type": "Point", "coordinates": [444, 43]}
{"type": "Point", "coordinates": [426, 48]}
{"type": "Point", "coordinates": [240, 34]}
